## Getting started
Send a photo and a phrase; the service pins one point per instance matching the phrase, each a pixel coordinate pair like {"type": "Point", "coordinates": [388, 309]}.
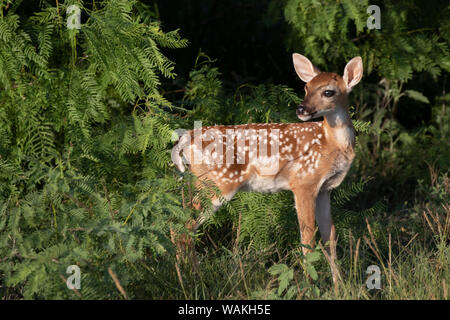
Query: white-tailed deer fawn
{"type": "Point", "coordinates": [310, 159]}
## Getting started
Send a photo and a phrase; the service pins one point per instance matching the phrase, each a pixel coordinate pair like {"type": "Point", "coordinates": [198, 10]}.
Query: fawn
{"type": "Point", "coordinates": [308, 158]}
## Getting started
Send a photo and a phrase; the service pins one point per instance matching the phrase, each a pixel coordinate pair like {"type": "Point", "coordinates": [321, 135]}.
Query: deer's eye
{"type": "Point", "coordinates": [328, 93]}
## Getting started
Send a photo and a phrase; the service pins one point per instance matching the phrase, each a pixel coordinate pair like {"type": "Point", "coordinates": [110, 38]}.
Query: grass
{"type": "Point", "coordinates": [413, 258]}
{"type": "Point", "coordinates": [408, 239]}
{"type": "Point", "coordinates": [411, 249]}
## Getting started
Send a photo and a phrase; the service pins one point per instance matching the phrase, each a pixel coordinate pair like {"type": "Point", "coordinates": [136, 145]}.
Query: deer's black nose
{"type": "Point", "coordinates": [300, 109]}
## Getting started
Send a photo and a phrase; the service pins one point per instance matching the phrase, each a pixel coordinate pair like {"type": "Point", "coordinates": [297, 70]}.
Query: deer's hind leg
{"type": "Point", "coordinates": [327, 230]}
{"type": "Point", "coordinates": [184, 243]}
{"type": "Point", "coordinates": [217, 200]}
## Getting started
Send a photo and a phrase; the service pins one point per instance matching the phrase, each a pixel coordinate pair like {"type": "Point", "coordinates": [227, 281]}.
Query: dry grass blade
{"type": "Point", "coordinates": [428, 221]}
{"type": "Point", "coordinates": [117, 283]}
{"type": "Point", "coordinates": [74, 289]}
{"type": "Point", "coordinates": [372, 241]}
{"type": "Point", "coordinates": [334, 269]}
{"type": "Point", "coordinates": [238, 234]}
{"type": "Point", "coordinates": [177, 260]}
{"type": "Point", "coordinates": [355, 263]}
{"type": "Point", "coordinates": [410, 241]}
{"type": "Point", "coordinates": [444, 288]}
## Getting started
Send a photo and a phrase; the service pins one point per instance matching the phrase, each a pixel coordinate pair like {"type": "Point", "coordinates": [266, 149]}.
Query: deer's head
{"type": "Point", "coordinates": [325, 91]}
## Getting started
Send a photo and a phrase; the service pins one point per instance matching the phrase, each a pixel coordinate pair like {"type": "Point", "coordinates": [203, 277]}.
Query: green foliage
{"type": "Point", "coordinates": [265, 103]}
{"type": "Point", "coordinates": [84, 150]}
{"type": "Point", "coordinates": [285, 275]}
{"type": "Point", "coordinates": [290, 287]}
{"type": "Point", "coordinates": [332, 32]}
{"type": "Point", "coordinates": [85, 175]}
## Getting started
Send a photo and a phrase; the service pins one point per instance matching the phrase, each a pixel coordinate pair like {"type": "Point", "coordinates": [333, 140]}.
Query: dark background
{"type": "Point", "coordinates": [247, 40]}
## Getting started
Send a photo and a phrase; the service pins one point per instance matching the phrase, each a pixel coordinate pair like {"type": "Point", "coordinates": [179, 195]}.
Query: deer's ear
{"type": "Point", "coordinates": [304, 68]}
{"type": "Point", "coordinates": [353, 73]}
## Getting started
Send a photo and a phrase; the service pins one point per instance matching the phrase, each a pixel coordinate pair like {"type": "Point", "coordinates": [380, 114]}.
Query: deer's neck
{"type": "Point", "coordinates": [339, 128]}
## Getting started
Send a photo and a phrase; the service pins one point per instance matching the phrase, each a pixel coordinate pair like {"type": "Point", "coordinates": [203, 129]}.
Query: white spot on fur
{"type": "Point", "coordinates": [305, 148]}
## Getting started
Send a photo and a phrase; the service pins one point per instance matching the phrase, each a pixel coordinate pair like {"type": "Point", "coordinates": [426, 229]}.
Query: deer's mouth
{"type": "Point", "coordinates": [306, 116]}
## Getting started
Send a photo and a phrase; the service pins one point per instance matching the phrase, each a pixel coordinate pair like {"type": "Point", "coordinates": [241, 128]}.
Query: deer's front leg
{"type": "Point", "coordinates": [305, 204]}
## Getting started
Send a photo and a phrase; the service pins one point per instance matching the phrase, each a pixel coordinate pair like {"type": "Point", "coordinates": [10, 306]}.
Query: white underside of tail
{"type": "Point", "coordinates": [177, 156]}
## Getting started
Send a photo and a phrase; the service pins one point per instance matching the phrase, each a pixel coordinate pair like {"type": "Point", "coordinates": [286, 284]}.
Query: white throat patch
{"type": "Point", "coordinates": [344, 134]}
